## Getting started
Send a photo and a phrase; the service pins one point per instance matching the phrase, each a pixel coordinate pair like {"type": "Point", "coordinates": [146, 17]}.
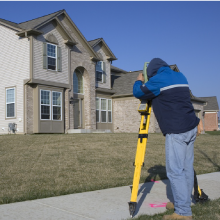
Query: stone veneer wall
{"type": "Point", "coordinates": [80, 58]}
{"type": "Point", "coordinates": [29, 116]}
{"type": "Point", "coordinates": [67, 110]}
{"type": "Point", "coordinates": [126, 118]}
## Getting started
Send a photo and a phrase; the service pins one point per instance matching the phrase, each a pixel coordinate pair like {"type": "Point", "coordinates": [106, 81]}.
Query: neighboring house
{"type": "Point", "coordinates": [55, 81]}
{"type": "Point", "coordinates": [211, 110]}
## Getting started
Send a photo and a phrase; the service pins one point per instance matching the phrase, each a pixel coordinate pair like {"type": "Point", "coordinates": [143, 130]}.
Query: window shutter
{"type": "Point", "coordinates": [59, 59]}
{"type": "Point", "coordinates": [44, 55]}
{"type": "Point", "coordinates": [104, 72]}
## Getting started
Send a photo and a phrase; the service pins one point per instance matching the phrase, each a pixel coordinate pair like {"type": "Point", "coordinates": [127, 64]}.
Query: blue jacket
{"type": "Point", "coordinates": [170, 95]}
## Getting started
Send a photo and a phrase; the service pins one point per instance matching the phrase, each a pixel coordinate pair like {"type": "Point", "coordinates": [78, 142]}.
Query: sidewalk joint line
{"type": "Point", "coordinates": [63, 210]}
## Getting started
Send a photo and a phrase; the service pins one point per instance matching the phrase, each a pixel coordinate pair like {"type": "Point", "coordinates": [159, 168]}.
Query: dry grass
{"type": "Point", "coordinates": [39, 166]}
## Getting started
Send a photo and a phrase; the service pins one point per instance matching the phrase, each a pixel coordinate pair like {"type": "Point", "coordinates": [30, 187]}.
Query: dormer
{"type": "Point", "coordinates": [103, 67]}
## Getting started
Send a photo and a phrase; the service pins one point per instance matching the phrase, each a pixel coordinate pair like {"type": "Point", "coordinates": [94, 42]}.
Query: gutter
{"type": "Point", "coordinates": [122, 95]}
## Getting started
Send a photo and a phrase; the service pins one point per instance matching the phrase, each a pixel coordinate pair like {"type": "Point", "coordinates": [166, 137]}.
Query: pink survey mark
{"type": "Point", "coordinates": [158, 205]}
{"type": "Point", "coordinates": [154, 181]}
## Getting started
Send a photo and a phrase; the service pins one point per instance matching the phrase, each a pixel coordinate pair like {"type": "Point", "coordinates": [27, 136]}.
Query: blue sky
{"type": "Point", "coordinates": [183, 33]}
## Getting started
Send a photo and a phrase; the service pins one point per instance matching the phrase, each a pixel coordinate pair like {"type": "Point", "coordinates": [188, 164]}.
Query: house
{"type": "Point", "coordinates": [211, 110]}
{"type": "Point", "coordinates": [49, 76]}
{"type": "Point", "coordinates": [55, 81]}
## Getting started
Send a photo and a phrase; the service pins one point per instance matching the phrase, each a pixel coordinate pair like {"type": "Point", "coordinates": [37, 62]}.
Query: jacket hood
{"type": "Point", "coordinates": [154, 66]}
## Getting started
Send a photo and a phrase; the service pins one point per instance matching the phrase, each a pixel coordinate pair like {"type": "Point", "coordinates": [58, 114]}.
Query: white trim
{"type": "Point", "coordinates": [210, 112]}
{"type": "Point", "coordinates": [45, 104]}
{"type": "Point", "coordinates": [51, 56]}
{"type": "Point", "coordinates": [100, 110]}
{"type": "Point", "coordinates": [10, 103]}
{"type": "Point", "coordinates": [97, 109]}
{"type": "Point", "coordinates": [174, 86]}
{"type": "Point", "coordinates": [109, 111]}
{"type": "Point", "coordinates": [106, 108]}
{"type": "Point", "coordinates": [57, 105]}
{"type": "Point", "coordinates": [100, 72]}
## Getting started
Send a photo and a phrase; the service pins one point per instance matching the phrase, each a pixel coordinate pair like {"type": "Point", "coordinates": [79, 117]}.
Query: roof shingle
{"type": "Point", "coordinates": [32, 24]}
{"type": "Point", "coordinates": [10, 23]}
{"type": "Point", "coordinates": [212, 103]}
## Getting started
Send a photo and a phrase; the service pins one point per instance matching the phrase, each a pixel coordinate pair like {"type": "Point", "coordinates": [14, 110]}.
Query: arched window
{"type": "Point", "coordinates": [77, 82]}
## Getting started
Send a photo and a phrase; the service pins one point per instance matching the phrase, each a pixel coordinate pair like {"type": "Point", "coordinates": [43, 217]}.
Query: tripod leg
{"type": "Point", "coordinates": [199, 195]}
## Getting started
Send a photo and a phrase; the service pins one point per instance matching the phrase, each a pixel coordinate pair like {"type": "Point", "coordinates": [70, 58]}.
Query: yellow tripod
{"type": "Point", "coordinates": [145, 111]}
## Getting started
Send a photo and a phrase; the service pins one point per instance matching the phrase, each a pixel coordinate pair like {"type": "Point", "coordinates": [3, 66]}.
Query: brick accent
{"type": "Point", "coordinates": [126, 118]}
{"type": "Point", "coordinates": [29, 116]}
{"type": "Point", "coordinates": [80, 58]}
{"type": "Point", "coordinates": [66, 109]}
{"type": "Point", "coordinates": [211, 121]}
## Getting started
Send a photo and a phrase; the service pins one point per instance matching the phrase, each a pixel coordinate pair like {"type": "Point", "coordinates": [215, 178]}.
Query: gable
{"type": "Point", "coordinates": [101, 44]}
{"type": "Point", "coordinates": [61, 21]}
{"type": "Point", "coordinates": [69, 24]}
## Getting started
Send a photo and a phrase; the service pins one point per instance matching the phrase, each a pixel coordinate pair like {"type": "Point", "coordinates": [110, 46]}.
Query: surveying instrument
{"type": "Point", "coordinates": [145, 111]}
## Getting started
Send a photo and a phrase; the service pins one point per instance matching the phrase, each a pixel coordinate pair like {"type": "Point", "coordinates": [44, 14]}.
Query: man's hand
{"type": "Point", "coordinates": [140, 77]}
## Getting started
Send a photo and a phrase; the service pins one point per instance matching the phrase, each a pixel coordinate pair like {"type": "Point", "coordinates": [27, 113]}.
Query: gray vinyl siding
{"type": "Point", "coordinates": [44, 74]}
{"type": "Point", "coordinates": [14, 56]}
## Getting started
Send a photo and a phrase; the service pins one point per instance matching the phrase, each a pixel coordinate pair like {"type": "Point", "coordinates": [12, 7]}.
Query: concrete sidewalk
{"type": "Point", "coordinates": [108, 204]}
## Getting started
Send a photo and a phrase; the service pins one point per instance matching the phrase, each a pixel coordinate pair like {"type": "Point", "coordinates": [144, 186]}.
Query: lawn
{"type": "Point", "coordinates": [213, 132]}
{"type": "Point", "coordinates": [40, 166]}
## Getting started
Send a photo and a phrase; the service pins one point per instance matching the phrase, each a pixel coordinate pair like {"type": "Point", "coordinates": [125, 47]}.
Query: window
{"type": "Point", "coordinates": [57, 105]}
{"type": "Point", "coordinates": [103, 110]}
{"type": "Point", "coordinates": [100, 72]}
{"type": "Point", "coordinates": [46, 106]}
{"type": "Point", "coordinates": [10, 103]}
{"type": "Point", "coordinates": [109, 110]}
{"type": "Point", "coordinates": [77, 82]}
{"type": "Point", "coordinates": [51, 57]}
{"type": "Point", "coordinates": [97, 109]}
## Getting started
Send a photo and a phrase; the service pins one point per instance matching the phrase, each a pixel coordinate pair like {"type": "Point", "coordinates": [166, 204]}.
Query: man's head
{"type": "Point", "coordinates": [154, 66]}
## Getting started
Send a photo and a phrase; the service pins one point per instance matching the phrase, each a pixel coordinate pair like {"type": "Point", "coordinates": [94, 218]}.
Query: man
{"type": "Point", "coordinates": [170, 95]}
